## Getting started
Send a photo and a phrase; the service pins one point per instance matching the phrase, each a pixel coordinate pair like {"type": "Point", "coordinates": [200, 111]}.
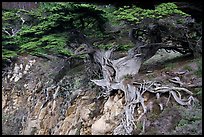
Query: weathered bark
{"type": "Point", "coordinates": [115, 74]}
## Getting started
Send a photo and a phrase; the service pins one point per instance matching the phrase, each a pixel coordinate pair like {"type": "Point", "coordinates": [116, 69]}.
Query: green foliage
{"type": "Point", "coordinates": [79, 16]}
{"type": "Point", "coordinates": [7, 54]}
{"type": "Point", "coordinates": [9, 47]}
{"type": "Point", "coordinates": [135, 14]}
{"type": "Point", "coordinates": [108, 13]}
{"type": "Point", "coordinates": [46, 29]}
{"type": "Point", "coordinates": [105, 47]}
{"type": "Point", "coordinates": [121, 47]}
{"type": "Point", "coordinates": [125, 47]}
{"type": "Point", "coordinates": [9, 18]}
{"type": "Point", "coordinates": [52, 44]}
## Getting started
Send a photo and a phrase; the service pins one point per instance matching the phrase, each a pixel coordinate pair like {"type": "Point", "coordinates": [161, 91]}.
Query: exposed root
{"type": "Point", "coordinates": [114, 72]}
{"type": "Point", "coordinates": [133, 97]}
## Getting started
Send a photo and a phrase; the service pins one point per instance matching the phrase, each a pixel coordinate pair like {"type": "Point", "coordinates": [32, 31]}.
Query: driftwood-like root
{"type": "Point", "coordinates": [114, 72]}
{"type": "Point", "coordinates": [115, 77]}
{"type": "Point", "coordinates": [133, 97]}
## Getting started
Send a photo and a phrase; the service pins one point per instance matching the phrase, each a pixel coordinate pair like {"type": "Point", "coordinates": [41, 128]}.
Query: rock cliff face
{"type": "Point", "coordinates": [53, 96]}
{"type": "Point", "coordinates": [40, 96]}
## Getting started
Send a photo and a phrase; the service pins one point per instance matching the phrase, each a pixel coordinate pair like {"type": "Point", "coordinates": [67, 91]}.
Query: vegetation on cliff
{"type": "Point", "coordinates": [48, 29]}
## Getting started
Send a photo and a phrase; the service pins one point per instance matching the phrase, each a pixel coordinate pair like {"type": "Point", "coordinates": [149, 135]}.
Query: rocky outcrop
{"type": "Point", "coordinates": [53, 96]}
{"type": "Point", "coordinates": [43, 105]}
{"type": "Point", "coordinates": [32, 86]}
{"type": "Point", "coordinates": [113, 108]}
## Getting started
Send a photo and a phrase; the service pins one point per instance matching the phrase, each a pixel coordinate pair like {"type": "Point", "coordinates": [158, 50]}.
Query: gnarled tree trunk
{"type": "Point", "coordinates": [115, 73]}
